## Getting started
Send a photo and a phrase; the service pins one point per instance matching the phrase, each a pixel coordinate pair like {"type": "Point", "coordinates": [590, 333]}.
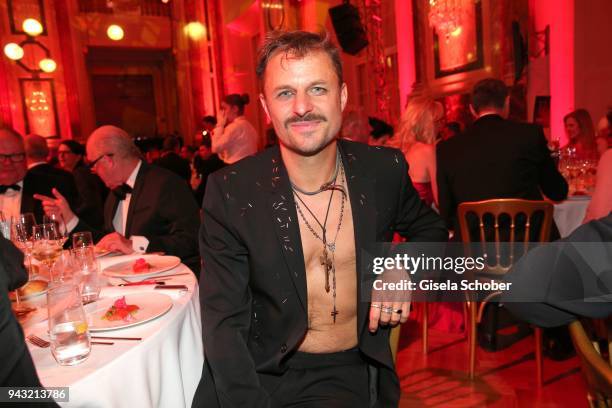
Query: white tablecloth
{"type": "Point", "coordinates": [569, 214]}
{"type": "Point", "coordinates": [162, 370]}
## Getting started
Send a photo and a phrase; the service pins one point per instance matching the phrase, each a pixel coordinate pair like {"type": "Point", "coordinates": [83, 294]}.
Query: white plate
{"type": "Point", "coordinates": [152, 306]}
{"type": "Point", "coordinates": [158, 264]}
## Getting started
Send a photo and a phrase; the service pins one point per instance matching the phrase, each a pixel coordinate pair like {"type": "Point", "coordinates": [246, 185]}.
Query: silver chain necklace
{"type": "Point", "coordinates": [329, 265]}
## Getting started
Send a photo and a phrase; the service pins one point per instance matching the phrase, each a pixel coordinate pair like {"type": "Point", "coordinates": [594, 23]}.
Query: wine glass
{"type": "Point", "coordinates": [47, 244]}
{"type": "Point", "coordinates": [21, 236]}
{"type": "Point", "coordinates": [60, 226]}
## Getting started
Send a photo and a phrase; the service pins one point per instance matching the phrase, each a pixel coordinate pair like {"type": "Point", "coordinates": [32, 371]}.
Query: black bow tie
{"type": "Point", "coordinates": [121, 191]}
{"type": "Point", "coordinates": [4, 189]}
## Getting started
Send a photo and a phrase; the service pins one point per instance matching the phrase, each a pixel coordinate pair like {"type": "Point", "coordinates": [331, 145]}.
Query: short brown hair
{"type": "Point", "coordinates": [489, 93]}
{"type": "Point", "coordinates": [297, 44]}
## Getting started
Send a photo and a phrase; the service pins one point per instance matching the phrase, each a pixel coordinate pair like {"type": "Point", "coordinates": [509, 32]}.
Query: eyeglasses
{"type": "Point", "coordinates": [93, 163]}
{"type": "Point", "coordinates": [14, 157]}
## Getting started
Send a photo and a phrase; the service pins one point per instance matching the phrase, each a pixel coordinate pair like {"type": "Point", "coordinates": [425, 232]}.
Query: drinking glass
{"type": "Point", "coordinates": [21, 233]}
{"type": "Point", "coordinates": [87, 270]}
{"type": "Point", "coordinates": [64, 268]}
{"type": "Point", "coordinates": [47, 245]}
{"type": "Point", "coordinates": [70, 341]}
{"type": "Point", "coordinates": [82, 240]}
{"type": "Point", "coordinates": [60, 226]}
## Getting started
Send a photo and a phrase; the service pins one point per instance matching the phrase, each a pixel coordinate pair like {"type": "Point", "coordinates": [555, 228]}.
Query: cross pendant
{"type": "Point", "coordinates": [327, 266]}
{"type": "Point", "coordinates": [334, 313]}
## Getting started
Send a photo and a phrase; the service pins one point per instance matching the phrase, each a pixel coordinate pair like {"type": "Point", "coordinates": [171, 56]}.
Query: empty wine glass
{"type": "Point", "coordinates": [21, 235]}
{"type": "Point", "coordinates": [60, 226]}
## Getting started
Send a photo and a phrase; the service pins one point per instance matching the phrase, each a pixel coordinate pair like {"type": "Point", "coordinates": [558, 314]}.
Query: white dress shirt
{"type": "Point", "coordinates": [10, 202]}
{"type": "Point", "coordinates": [236, 141]}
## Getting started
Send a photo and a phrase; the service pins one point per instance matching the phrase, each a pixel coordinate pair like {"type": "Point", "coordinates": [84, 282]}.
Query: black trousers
{"type": "Point", "coordinates": [333, 380]}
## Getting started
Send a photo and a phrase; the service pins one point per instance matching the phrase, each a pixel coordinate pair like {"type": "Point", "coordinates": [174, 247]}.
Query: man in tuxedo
{"type": "Point", "coordinates": [149, 209]}
{"type": "Point", "coordinates": [18, 185]}
{"type": "Point", "coordinates": [286, 316]}
{"type": "Point", "coordinates": [495, 158]}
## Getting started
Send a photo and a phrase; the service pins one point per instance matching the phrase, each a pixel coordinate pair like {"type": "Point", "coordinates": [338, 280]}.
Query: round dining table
{"type": "Point", "coordinates": [161, 370]}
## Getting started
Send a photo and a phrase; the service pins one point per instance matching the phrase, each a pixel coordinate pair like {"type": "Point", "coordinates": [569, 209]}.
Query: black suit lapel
{"type": "Point", "coordinates": [362, 195]}
{"type": "Point", "coordinates": [137, 191]}
{"type": "Point", "coordinates": [110, 208]}
{"type": "Point", "coordinates": [286, 225]}
{"type": "Point", "coordinates": [27, 198]}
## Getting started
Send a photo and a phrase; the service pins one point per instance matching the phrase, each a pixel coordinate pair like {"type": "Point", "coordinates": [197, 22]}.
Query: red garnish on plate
{"type": "Point", "coordinates": [141, 265]}
{"type": "Point", "coordinates": [120, 310]}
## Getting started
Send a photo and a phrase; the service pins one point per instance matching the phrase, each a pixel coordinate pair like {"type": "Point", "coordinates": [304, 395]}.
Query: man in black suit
{"type": "Point", "coordinates": [557, 283]}
{"type": "Point", "coordinates": [149, 209]}
{"type": "Point", "coordinates": [171, 160]}
{"type": "Point", "coordinates": [495, 158]}
{"type": "Point", "coordinates": [18, 185]}
{"type": "Point", "coordinates": [278, 225]}
{"type": "Point", "coordinates": [17, 368]}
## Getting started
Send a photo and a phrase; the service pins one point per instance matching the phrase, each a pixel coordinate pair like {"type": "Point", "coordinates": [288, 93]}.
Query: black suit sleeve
{"type": "Point", "coordinates": [179, 209]}
{"type": "Point", "coordinates": [17, 368]}
{"type": "Point", "coordinates": [416, 221]}
{"type": "Point", "coordinates": [445, 195]}
{"type": "Point", "coordinates": [226, 306]}
{"type": "Point", "coordinates": [551, 182]}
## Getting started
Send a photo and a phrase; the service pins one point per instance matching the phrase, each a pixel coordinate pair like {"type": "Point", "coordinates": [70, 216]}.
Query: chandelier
{"type": "Point", "coordinates": [445, 17]}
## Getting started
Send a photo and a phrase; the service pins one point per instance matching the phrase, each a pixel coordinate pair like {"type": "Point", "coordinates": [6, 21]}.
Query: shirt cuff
{"type": "Point", "coordinates": [139, 243]}
{"type": "Point", "coordinates": [71, 225]}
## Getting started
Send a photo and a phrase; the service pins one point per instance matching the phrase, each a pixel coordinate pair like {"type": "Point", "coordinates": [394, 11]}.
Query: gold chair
{"type": "Point", "coordinates": [498, 208]}
{"type": "Point", "coordinates": [596, 370]}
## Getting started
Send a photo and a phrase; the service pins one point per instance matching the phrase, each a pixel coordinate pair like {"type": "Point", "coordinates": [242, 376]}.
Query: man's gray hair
{"type": "Point", "coordinates": [36, 147]}
{"type": "Point", "coordinates": [117, 141]}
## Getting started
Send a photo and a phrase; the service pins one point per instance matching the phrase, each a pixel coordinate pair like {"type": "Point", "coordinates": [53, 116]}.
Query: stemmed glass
{"type": "Point", "coordinates": [60, 226]}
{"type": "Point", "coordinates": [22, 229]}
{"type": "Point", "coordinates": [47, 244]}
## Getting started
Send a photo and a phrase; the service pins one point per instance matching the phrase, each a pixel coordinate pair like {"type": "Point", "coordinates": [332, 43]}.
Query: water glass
{"type": "Point", "coordinates": [68, 330]}
{"type": "Point", "coordinates": [82, 240]}
{"type": "Point", "coordinates": [87, 271]}
{"type": "Point", "coordinates": [64, 268]}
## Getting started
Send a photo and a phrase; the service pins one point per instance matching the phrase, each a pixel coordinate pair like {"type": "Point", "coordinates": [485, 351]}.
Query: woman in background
{"type": "Point", "coordinates": [581, 134]}
{"type": "Point", "coordinates": [234, 138]}
{"type": "Point", "coordinates": [417, 132]}
{"type": "Point", "coordinates": [92, 191]}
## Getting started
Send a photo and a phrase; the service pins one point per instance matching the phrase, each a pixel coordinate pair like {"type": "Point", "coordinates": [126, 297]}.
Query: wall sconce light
{"type": "Point", "coordinates": [195, 30]}
{"type": "Point", "coordinates": [16, 52]}
{"type": "Point", "coordinates": [115, 32]}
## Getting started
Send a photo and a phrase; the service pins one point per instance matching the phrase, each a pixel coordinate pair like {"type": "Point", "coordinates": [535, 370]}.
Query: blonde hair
{"type": "Point", "coordinates": [418, 122]}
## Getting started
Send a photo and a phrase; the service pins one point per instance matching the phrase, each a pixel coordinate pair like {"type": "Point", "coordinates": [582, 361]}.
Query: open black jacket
{"type": "Point", "coordinates": [495, 158]}
{"type": "Point", "coordinates": [41, 179]}
{"type": "Point", "coordinates": [253, 283]}
{"type": "Point", "coordinates": [163, 210]}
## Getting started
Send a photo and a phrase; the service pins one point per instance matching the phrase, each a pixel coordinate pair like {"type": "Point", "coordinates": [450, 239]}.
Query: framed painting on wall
{"type": "Point", "coordinates": [461, 49]}
{"type": "Point", "coordinates": [39, 107]}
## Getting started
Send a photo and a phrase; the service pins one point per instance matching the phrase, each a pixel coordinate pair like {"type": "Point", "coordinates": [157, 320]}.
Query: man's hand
{"type": "Point", "coordinates": [116, 242]}
{"type": "Point", "coordinates": [390, 307]}
{"type": "Point", "coordinates": [57, 205]}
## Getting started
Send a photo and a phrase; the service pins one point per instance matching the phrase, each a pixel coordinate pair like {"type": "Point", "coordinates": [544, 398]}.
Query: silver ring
{"type": "Point", "coordinates": [386, 309]}
{"type": "Point", "coordinates": [398, 311]}
{"type": "Point", "coordinates": [376, 305]}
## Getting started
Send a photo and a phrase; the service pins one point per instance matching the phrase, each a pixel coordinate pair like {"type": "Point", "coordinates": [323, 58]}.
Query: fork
{"type": "Point", "coordinates": [37, 341]}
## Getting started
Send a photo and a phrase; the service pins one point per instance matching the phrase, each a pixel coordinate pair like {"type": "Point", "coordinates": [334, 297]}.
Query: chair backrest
{"type": "Point", "coordinates": [504, 208]}
{"type": "Point", "coordinates": [597, 371]}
